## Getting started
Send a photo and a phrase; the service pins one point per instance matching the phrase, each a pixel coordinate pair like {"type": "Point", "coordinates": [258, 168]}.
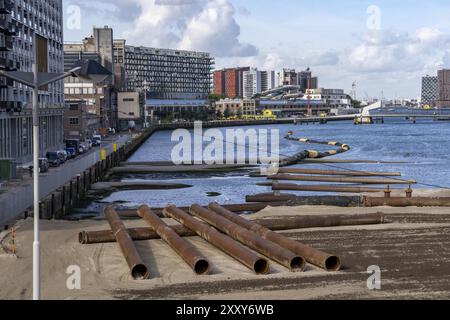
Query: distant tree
{"type": "Point", "coordinates": [227, 113]}
{"type": "Point", "coordinates": [239, 113]}
{"type": "Point", "coordinates": [356, 104]}
{"type": "Point", "coordinates": [215, 97]}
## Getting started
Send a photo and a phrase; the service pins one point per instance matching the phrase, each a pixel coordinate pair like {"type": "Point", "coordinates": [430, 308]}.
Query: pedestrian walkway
{"type": "Point", "coordinates": [17, 196]}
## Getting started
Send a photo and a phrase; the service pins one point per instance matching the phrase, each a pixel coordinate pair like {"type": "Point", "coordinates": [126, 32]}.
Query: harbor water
{"type": "Point", "coordinates": [422, 148]}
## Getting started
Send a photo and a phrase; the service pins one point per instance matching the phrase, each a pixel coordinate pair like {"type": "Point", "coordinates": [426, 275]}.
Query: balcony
{"type": "Point", "coordinates": [6, 6]}
{"type": "Point", "coordinates": [11, 106]}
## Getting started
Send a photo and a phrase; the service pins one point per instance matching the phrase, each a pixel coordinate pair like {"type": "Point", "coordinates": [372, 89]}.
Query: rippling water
{"type": "Point", "coordinates": [425, 146]}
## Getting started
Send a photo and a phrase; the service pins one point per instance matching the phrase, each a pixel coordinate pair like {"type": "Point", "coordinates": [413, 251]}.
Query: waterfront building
{"type": "Point", "coordinates": [288, 77]}
{"type": "Point", "coordinates": [444, 88]}
{"type": "Point", "coordinates": [268, 80]}
{"type": "Point", "coordinates": [168, 74]}
{"type": "Point", "coordinates": [119, 65]}
{"type": "Point", "coordinates": [288, 108]}
{"type": "Point", "coordinates": [129, 109]}
{"type": "Point", "coordinates": [236, 106]}
{"type": "Point", "coordinates": [335, 98]}
{"type": "Point", "coordinates": [252, 83]}
{"type": "Point", "coordinates": [307, 81]}
{"type": "Point", "coordinates": [27, 27]}
{"type": "Point", "coordinates": [100, 98]}
{"type": "Point", "coordinates": [80, 121]}
{"type": "Point", "coordinates": [430, 90]}
{"type": "Point", "coordinates": [229, 83]}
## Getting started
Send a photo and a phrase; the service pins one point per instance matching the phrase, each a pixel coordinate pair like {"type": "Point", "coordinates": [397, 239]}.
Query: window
{"type": "Point", "coordinates": [128, 100]}
{"type": "Point", "coordinates": [73, 120]}
{"type": "Point", "coordinates": [73, 106]}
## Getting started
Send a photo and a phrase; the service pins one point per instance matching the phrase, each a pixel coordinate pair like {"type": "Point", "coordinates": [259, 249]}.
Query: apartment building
{"type": "Point", "coordinates": [30, 29]}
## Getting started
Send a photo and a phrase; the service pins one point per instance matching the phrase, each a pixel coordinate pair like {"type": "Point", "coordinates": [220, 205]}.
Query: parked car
{"type": "Point", "coordinates": [88, 143]}
{"type": "Point", "coordinates": [53, 159]}
{"type": "Point", "coordinates": [97, 140]}
{"type": "Point", "coordinates": [43, 165]}
{"type": "Point", "coordinates": [63, 155]}
{"type": "Point", "coordinates": [73, 143]}
{"type": "Point", "coordinates": [84, 148]}
{"type": "Point", "coordinates": [72, 152]}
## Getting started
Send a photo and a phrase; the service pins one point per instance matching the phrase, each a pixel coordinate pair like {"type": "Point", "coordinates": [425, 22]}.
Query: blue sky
{"type": "Point", "coordinates": [383, 46]}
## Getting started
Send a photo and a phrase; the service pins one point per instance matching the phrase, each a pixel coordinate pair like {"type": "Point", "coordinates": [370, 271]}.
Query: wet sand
{"type": "Point", "coordinates": [413, 252]}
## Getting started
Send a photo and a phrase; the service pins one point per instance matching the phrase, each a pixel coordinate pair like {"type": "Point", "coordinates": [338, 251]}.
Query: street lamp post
{"type": "Point", "coordinates": [88, 70]}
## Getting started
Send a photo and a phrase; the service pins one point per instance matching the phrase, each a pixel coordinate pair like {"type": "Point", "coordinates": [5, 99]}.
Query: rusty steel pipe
{"type": "Point", "coordinates": [323, 188]}
{"type": "Point", "coordinates": [139, 271]}
{"type": "Point", "coordinates": [313, 256]}
{"type": "Point", "coordinates": [292, 177]}
{"type": "Point", "coordinates": [275, 224]}
{"type": "Point", "coordinates": [271, 250]}
{"type": "Point", "coordinates": [198, 263]}
{"type": "Point", "coordinates": [406, 202]}
{"type": "Point", "coordinates": [321, 221]}
{"type": "Point", "coordinates": [339, 173]}
{"type": "Point", "coordinates": [254, 262]}
{"type": "Point", "coordinates": [293, 200]}
{"type": "Point", "coordinates": [246, 207]}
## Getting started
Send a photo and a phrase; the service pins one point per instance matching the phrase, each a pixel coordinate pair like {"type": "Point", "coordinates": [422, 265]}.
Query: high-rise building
{"type": "Point", "coordinates": [307, 81]}
{"type": "Point", "coordinates": [104, 45]}
{"type": "Point", "coordinates": [444, 88]}
{"type": "Point", "coordinates": [168, 74]}
{"type": "Point", "coordinates": [252, 83]}
{"type": "Point", "coordinates": [230, 82]}
{"type": "Point", "coordinates": [119, 65]}
{"type": "Point", "coordinates": [288, 77]}
{"type": "Point", "coordinates": [430, 90]}
{"type": "Point", "coordinates": [268, 80]}
{"type": "Point", "coordinates": [29, 29]}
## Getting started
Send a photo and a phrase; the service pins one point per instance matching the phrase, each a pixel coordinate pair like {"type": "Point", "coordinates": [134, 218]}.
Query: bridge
{"type": "Point", "coordinates": [369, 116]}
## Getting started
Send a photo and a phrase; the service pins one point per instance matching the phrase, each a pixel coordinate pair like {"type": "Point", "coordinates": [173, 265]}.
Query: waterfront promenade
{"type": "Point", "coordinates": [18, 196]}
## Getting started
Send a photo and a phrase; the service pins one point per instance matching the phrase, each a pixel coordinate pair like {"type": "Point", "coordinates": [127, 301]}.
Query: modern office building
{"type": "Point", "coordinates": [444, 88]}
{"type": "Point", "coordinates": [229, 83]}
{"type": "Point", "coordinates": [28, 28]}
{"type": "Point", "coordinates": [268, 80]}
{"type": "Point", "coordinates": [252, 83]}
{"type": "Point", "coordinates": [307, 81]}
{"type": "Point", "coordinates": [430, 90]}
{"type": "Point", "coordinates": [334, 98]}
{"type": "Point", "coordinates": [168, 74]}
{"type": "Point", "coordinates": [288, 77]}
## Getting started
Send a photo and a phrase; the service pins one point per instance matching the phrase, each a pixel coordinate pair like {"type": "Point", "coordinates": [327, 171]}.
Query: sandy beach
{"type": "Point", "coordinates": [412, 252]}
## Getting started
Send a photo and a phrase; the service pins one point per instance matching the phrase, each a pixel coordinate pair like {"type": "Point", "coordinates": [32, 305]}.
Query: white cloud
{"type": "Point", "coordinates": [191, 25]}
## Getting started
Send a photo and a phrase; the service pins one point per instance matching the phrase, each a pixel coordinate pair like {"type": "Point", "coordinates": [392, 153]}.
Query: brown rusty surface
{"type": "Point", "coordinates": [271, 250]}
{"type": "Point", "coordinates": [193, 257]}
{"type": "Point", "coordinates": [414, 258]}
{"type": "Point", "coordinates": [316, 257]}
{"type": "Point", "coordinates": [221, 241]}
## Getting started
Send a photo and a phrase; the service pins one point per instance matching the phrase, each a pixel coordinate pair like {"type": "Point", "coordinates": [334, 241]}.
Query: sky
{"type": "Point", "coordinates": [383, 46]}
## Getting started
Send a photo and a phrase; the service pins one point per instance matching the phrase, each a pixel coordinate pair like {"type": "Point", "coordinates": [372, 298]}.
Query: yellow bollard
{"type": "Point", "coordinates": [102, 154]}
{"type": "Point", "coordinates": [115, 147]}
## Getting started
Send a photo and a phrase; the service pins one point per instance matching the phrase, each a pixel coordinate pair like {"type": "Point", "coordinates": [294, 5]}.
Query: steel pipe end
{"type": "Point", "coordinates": [298, 264]}
{"type": "Point", "coordinates": [82, 237]}
{"type": "Point", "coordinates": [140, 272]}
{"type": "Point", "coordinates": [333, 263]}
{"type": "Point", "coordinates": [202, 267]}
{"type": "Point", "coordinates": [261, 266]}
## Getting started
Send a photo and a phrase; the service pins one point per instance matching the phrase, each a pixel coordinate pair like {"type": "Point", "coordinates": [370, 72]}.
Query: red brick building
{"type": "Point", "coordinates": [444, 88]}
{"type": "Point", "coordinates": [230, 82]}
